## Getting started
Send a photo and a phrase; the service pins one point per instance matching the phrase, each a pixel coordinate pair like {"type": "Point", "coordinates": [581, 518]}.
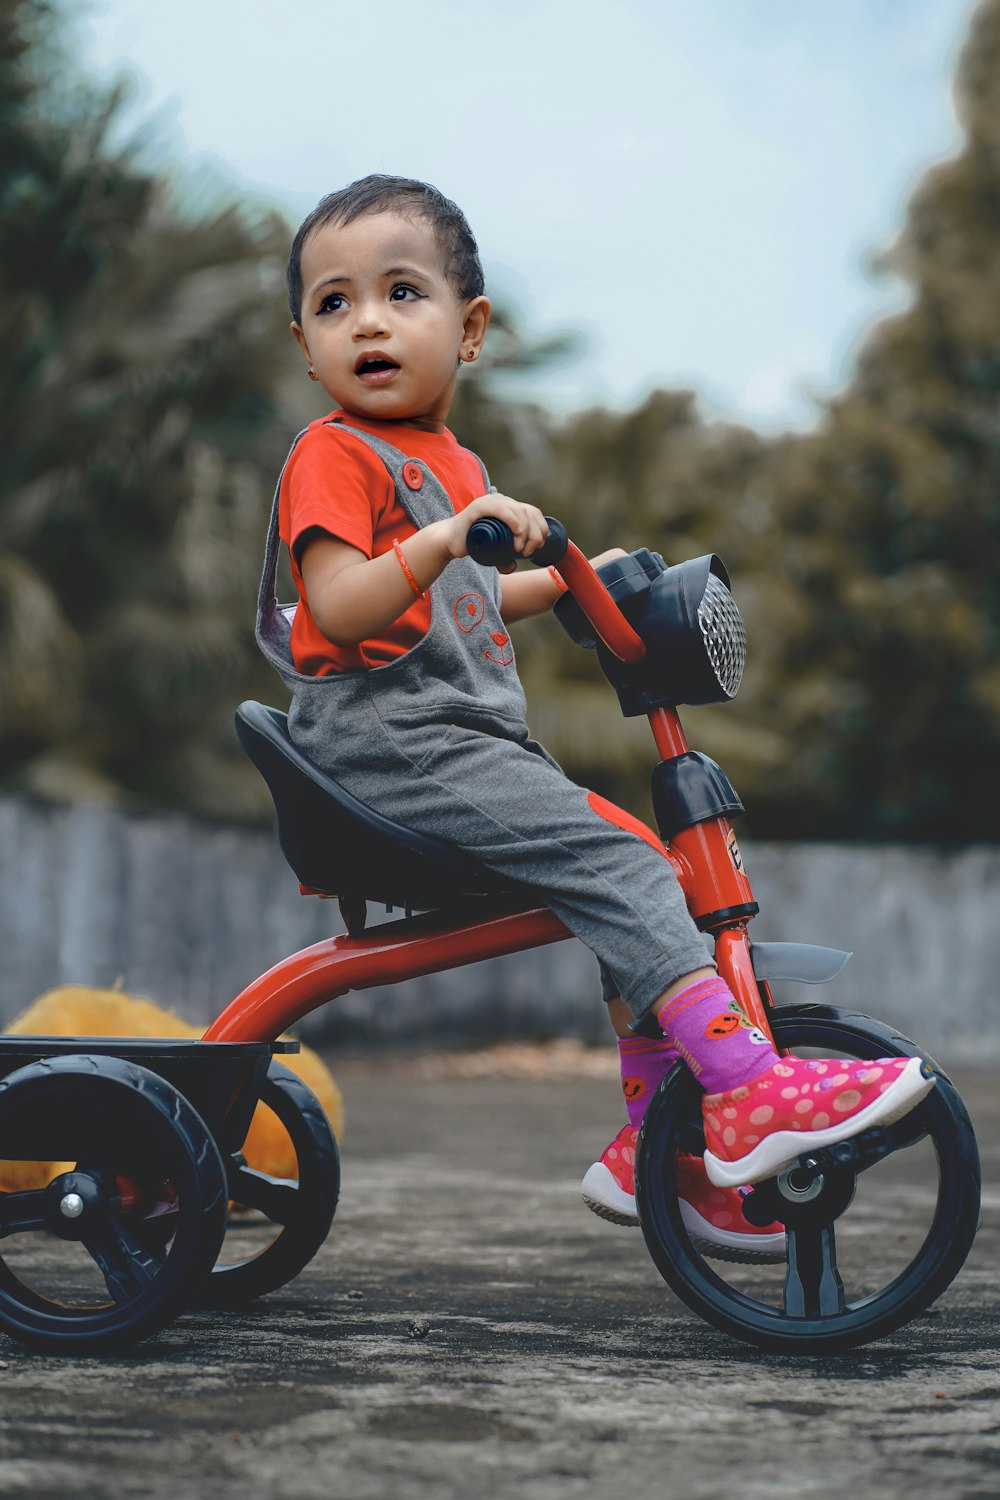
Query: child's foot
{"type": "Point", "coordinates": [712, 1216]}
{"type": "Point", "coordinates": [608, 1187]}
{"type": "Point", "coordinates": [758, 1129]}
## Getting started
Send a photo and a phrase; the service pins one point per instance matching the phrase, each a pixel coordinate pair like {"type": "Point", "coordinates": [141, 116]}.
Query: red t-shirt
{"type": "Point", "coordinates": [334, 482]}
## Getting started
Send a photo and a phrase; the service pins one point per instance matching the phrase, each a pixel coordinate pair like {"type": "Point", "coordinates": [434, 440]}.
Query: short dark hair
{"type": "Point", "coordinates": [380, 193]}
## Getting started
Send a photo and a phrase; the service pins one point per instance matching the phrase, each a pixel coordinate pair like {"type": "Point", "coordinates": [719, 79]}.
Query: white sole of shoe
{"type": "Point", "coordinates": [778, 1151]}
{"type": "Point", "coordinates": [728, 1244]}
{"type": "Point", "coordinates": [604, 1197]}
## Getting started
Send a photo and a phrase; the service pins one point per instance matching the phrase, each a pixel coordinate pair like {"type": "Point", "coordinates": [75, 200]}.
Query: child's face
{"type": "Point", "coordinates": [381, 324]}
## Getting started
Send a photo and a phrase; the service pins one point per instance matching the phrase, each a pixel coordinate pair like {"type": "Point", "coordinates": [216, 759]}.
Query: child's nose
{"type": "Point", "coordinates": [369, 320]}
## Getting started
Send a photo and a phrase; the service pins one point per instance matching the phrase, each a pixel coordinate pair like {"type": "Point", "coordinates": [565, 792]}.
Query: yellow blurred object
{"type": "Point", "coordinates": [82, 1010]}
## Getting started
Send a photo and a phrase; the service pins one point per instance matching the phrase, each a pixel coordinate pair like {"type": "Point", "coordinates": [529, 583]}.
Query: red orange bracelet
{"type": "Point", "coordinates": [414, 585]}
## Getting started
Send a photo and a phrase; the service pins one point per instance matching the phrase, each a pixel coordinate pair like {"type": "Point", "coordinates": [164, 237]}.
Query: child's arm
{"type": "Point", "coordinates": [532, 593]}
{"type": "Point", "coordinates": [353, 597]}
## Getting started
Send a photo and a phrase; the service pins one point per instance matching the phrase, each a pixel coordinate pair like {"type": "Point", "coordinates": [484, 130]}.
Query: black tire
{"type": "Point", "coordinates": [302, 1210]}
{"type": "Point", "coordinates": [828, 1324]}
{"type": "Point", "coordinates": [123, 1125]}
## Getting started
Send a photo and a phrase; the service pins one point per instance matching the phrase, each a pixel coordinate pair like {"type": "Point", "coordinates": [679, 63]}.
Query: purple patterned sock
{"type": "Point", "coordinates": [720, 1044]}
{"type": "Point", "coordinates": [645, 1064]}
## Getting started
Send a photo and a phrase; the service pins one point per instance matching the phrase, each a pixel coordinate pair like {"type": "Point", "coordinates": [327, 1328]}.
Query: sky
{"type": "Point", "coordinates": [697, 186]}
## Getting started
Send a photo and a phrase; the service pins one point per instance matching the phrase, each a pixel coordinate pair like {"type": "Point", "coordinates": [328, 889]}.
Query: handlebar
{"type": "Point", "coordinates": [491, 542]}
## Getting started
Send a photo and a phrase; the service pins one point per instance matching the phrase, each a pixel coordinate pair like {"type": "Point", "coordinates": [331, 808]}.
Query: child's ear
{"type": "Point", "coordinates": [300, 339]}
{"type": "Point", "coordinates": [477, 318]}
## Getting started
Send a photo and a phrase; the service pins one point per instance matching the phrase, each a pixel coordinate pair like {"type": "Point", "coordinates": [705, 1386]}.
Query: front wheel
{"type": "Point", "coordinates": [868, 1248]}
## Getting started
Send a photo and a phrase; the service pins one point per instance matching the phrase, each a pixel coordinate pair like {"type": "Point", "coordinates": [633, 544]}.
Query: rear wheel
{"type": "Point", "coordinates": [81, 1269]}
{"type": "Point", "coordinates": [872, 1238]}
{"type": "Point", "coordinates": [287, 1218]}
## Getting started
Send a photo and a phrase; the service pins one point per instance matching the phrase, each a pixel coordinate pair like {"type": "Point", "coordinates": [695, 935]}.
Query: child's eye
{"type": "Point", "coordinates": [332, 302]}
{"type": "Point", "coordinates": [403, 293]}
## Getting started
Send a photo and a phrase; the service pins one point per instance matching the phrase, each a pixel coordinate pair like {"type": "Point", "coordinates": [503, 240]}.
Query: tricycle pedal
{"type": "Point", "coordinates": [853, 1155]}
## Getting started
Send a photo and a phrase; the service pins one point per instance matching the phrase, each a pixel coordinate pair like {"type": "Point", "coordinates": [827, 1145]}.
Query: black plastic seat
{"type": "Point", "coordinates": [337, 845]}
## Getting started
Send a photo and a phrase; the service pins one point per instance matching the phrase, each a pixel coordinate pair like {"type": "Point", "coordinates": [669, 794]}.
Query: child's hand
{"type": "Point", "coordinates": [528, 525]}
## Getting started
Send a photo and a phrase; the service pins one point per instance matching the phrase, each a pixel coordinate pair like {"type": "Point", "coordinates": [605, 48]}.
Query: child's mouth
{"type": "Point", "coordinates": [375, 370]}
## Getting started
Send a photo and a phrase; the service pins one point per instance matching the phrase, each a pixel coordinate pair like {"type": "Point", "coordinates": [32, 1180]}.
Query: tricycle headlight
{"type": "Point", "coordinates": [696, 646]}
{"type": "Point", "coordinates": [724, 636]}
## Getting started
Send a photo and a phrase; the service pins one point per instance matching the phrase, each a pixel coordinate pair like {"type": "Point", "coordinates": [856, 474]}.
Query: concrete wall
{"type": "Point", "coordinates": [188, 913]}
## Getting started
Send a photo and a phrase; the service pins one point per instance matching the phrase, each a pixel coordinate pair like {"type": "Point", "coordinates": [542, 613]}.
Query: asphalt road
{"type": "Point", "coordinates": [469, 1330]}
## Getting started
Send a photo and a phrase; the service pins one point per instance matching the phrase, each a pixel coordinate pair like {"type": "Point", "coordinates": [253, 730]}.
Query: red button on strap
{"type": "Point", "coordinates": [413, 475]}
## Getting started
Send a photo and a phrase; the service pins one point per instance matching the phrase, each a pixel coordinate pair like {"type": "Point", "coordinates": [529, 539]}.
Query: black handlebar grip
{"type": "Point", "coordinates": [553, 549]}
{"type": "Point", "coordinates": [491, 542]}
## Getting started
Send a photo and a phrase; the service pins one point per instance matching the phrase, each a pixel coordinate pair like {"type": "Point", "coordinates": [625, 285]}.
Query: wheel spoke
{"type": "Point", "coordinates": [813, 1288]}
{"type": "Point", "coordinates": [275, 1197]}
{"type": "Point", "coordinates": [126, 1267]}
{"type": "Point", "coordinates": [21, 1211]}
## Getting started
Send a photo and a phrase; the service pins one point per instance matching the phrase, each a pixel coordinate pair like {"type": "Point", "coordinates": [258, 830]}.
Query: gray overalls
{"type": "Point", "coordinates": [437, 741]}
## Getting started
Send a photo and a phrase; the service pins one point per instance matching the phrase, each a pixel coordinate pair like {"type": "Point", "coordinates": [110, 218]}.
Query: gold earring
{"type": "Point", "coordinates": [313, 375]}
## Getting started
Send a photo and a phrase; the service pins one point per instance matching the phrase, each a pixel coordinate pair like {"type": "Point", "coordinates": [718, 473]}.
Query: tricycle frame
{"type": "Point", "coordinates": [693, 802]}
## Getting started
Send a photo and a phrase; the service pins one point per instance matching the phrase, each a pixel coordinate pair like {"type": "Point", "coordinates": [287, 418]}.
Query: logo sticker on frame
{"type": "Point", "coordinates": [734, 853]}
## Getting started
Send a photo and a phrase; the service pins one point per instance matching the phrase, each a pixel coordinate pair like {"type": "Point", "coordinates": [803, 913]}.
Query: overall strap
{"type": "Point", "coordinates": [419, 491]}
{"type": "Point", "coordinates": [274, 630]}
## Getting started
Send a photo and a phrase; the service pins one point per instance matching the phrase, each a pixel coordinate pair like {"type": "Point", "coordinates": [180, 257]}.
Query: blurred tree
{"type": "Point", "coordinates": [863, 553]}
{"type": "Point", "coordinates": [658, 477]}
{"type": "Point", "coordinates": [490, 414]}
{"type": "Point", "coordinates": [143, 344]}
{"type": "Point", "coordinates": [890, 524]}
{"type": "Point", "coordinates": [145, 406]}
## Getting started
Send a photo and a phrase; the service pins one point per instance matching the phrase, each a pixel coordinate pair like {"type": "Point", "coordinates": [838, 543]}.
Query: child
{"type": "Point", "coordinates": [404, 688]}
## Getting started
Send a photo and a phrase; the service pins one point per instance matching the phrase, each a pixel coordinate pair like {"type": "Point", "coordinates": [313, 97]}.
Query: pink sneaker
{"type": "Point", "coordinates": [608, 1188]}
{"type": "Point", "coordinates": [712, 1216]}
{"type": "Point", "coordinates": [758, 1129]}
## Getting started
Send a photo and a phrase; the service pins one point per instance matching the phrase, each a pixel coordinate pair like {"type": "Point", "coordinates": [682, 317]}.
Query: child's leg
{"type": "Point", "coordinates": [506, 802]}
{"type": "Point", "coordinates": [608, 1188]}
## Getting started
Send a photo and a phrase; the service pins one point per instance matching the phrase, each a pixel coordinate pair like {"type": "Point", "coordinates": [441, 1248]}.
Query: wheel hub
{"type": "Point", "coordinates": [73, 1202]}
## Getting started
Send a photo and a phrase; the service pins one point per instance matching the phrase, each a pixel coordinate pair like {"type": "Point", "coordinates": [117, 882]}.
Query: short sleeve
{"type": "Point", "coordinates": [333, 482]}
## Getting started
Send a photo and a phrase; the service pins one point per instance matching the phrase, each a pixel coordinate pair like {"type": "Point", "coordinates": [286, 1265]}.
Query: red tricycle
{"type": "Point", "coordinates": [112, 1249]}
